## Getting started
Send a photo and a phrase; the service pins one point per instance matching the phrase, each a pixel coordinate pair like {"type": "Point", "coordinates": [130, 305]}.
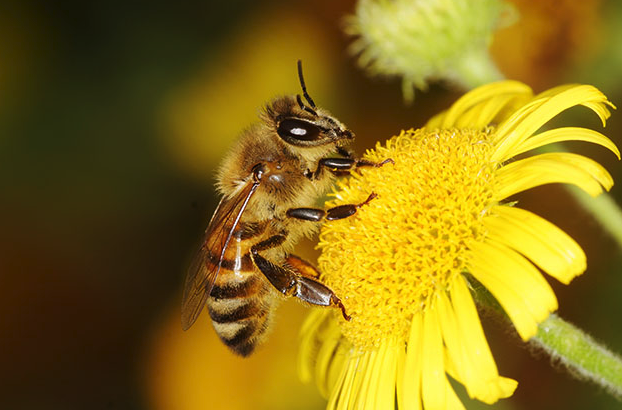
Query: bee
{"type": "Point", "coordinates": [245, 267]}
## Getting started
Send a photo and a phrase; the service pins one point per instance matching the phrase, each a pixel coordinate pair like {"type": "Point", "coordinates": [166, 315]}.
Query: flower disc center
{"type": "Point", "coordinates": [389, 259]}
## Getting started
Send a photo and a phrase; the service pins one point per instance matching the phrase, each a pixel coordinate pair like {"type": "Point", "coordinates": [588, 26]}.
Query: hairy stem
{"type": "Point", "coordinates": [582, 355]}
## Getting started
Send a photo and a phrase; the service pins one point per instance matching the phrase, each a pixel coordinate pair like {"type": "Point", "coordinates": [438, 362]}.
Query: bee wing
{"type": "Point", "coordinates": [203, 270]}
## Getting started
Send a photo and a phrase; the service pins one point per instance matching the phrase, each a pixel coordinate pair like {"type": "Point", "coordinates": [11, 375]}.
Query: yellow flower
{"type": "Point", "coordinates": [405, 263]}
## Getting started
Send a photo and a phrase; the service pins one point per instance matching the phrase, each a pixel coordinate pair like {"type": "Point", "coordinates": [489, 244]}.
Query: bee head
{"type": "Point", "coordinates": [303, 129]}
{"type": "Point", "coordinates": [306, 125]}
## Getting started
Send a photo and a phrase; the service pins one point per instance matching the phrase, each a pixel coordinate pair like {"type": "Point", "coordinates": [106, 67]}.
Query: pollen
{"type": "Point", "coordinates": [388, 260]}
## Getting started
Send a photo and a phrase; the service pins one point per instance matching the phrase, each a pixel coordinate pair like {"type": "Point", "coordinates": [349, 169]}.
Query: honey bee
{"type": "Point", "coordinates": [276, 169]}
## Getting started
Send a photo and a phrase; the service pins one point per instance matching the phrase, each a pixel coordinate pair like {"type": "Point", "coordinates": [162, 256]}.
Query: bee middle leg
{"type": "Point", "coordinates": [293, 283]}
{"type": "Point", "coordinates": [331, 214]}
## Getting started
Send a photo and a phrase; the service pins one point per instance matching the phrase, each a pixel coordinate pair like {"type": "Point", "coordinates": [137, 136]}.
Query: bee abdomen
{"type": "Point", "coordinates": [227, 286]}
{"type": "Point", "coordinates": [241, 313]}
{"type": "Point", "coordinates": [233, 310]}
{"type": "Point", "coordinates": [241, 328]}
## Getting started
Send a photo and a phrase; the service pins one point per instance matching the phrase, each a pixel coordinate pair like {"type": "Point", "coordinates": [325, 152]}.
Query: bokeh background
{"type": "Point", "coordinates": [113, 116]}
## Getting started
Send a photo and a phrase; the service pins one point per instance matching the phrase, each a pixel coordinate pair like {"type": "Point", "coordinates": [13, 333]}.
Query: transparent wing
{"type": "Point", "coordinates": [207, 263]}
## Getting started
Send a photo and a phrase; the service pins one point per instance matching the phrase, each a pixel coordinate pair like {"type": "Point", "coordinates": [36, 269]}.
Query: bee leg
{"type": "Point", "coordinates": [316, 293]}
{"type": "Point", "coordinates": [303, 267]}
{"type": "Point", "coordinates": [342, 166]}
{"type": "Point", "coordinates": [290, 282]}
{"type": "Point", "coordinates": [310, 282]}
{"type": "Point", "coordinates": [345, 152]}
{"type": "Point", "coordinates": [331, 214]}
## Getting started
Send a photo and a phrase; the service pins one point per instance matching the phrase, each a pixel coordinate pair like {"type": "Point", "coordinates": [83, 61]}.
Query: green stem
{"type": "Point", "coordinates": [474, 68]}
{"type": "Point", "coordinates": [581, 354]}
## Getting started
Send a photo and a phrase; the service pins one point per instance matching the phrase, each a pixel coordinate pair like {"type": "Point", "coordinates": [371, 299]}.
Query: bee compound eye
{"type": "Point", "coordinates": [292, 128]}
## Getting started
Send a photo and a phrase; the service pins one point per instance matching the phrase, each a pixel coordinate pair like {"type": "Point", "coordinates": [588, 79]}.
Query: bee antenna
{"type": "Point", "coordinates": [304, 87]}
{"type": "Point", "coordinates": [304, 107]}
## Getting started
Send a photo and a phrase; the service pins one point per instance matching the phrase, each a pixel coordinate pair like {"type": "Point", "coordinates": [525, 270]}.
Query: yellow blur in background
{"type": "Point", "coordinates": [113, 118]}
{"type": "Point", "coordinates": [204, 116]}
{"type": "Point", "coordinates": [194, 370]}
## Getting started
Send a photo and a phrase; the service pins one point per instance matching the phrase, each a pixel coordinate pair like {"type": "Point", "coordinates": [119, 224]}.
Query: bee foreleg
{"type": "Point", "coordinates": [341, 166]}
{"type": "Point", "coordinates": [331, 214]}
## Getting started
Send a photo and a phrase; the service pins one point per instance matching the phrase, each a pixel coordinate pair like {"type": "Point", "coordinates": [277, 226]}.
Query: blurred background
{"type": "Point", "coordinates": [113, 117]}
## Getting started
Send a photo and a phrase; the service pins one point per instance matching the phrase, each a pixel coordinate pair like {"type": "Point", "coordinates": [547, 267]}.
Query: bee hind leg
{"type": "Point", "coordinates": [290, 282]}
{"type": "Point", "coordinates": [303, 267]}
{"type": "Point", "coordinates": [316, 293]}
{"type": "Point", "coordinates": [310, 280]}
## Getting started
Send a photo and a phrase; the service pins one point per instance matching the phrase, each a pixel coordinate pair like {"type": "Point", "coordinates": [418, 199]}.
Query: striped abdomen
{"type": "Point", "coordinates": [241, 302]}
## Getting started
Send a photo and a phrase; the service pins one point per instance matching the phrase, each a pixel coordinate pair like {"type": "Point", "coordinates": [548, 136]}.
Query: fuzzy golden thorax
{"type": "Point", "coordinates": [288, 162]}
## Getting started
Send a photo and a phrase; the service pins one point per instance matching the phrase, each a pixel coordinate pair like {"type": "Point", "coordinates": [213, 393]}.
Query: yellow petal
{"type": "Point", "coordinates": [363, 375]}
{"type": "Point", "coordinates": [548, 168]}
{"type": "Point", "coordinates": [467, 346]}
{"type": "Point", "coordinates": [512, 133]}
{"type": "Point", "coordinates": [478, 96]}
{"type": "Point", "coordinates": [478, 366]}
{"type": "Point", "coordinates": [565, 134]}
{"type": "Point", "coordinates": [458, 355]}
{"type": "Point", "coordinates": [600, 109]}
{"type": "Point", "coordinates": [382, 382]}
{"type": "Point", "coordinates": [455, 349]}
{"type": "Point", "coordinates": [322, 351]}
{"type": "Point", "coordinates": [325, 358]}
{"type": "Point", "coordinates": [365, 394]}
{"type": "Point", "coordinates": [504, 132]}
{"type": "Point", "coordinates": [336, 367]}
{"type": "Point", "coordinates": [453, 402]}
{"type": "Point", "coordinates": [539, 240]}
{"type": "Point", "coordinates": [308, 343]}
{"type": "Point", "coordinates": [342, 397]}
{"type": "Point", "coordinates": [399, 381]}
{"type": "Point", "coordinates": [409, 384]}
{"type": "Point", "coordinates": [433, 381]}
{"type": "Point", "coordinates": [335, 394]}
{"type": "Point", "coordinates": [377, 389]}
{"type": "Point", "coordinates": [477, 348]}
{"type": "Point", "coordinates": [553, 91]}
{"type": "Point", "coordinates": [516, 284]}
{"type": "Point", "coordinates": [483, 114]}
